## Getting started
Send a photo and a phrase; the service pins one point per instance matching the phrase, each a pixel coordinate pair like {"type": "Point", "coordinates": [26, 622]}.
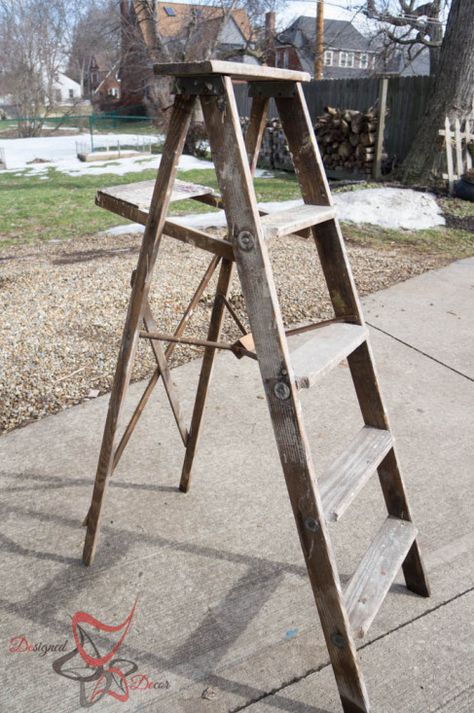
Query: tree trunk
{"type": "Point", "coordinates": [452, 94]}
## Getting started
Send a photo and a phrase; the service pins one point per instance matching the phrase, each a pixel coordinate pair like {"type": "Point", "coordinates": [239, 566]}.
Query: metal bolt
{"type": "Point", "coordinates": [338, 640]}
{"type": "Point", "coordinates": [311, 524]}
{"type": "Point", "coordinates": [281, 390]}
{"type": "Point", "coordinates": [246, 240]}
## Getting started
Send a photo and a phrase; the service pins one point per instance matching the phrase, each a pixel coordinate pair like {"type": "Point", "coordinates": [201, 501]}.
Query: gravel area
{"type": "Point", "coordinates": [63, 306]}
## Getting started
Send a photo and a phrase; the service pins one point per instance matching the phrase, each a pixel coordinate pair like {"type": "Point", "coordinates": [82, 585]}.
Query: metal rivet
{"type": "Point", "coordinates": [311, 524]}
{"type": "Point", "coordinates": [282, 390]}
{"type": "Point", "coordinates": [246, 240]}
{"type": "Point", "coordinates": [338, 640]}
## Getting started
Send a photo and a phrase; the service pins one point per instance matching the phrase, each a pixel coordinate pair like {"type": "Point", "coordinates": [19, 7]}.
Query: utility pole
{"type": "Point", "coordinates": [319, 48]}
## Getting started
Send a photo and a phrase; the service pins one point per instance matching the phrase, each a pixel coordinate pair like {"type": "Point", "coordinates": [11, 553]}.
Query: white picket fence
{"type": "Point", "coordinates": [459, 144]}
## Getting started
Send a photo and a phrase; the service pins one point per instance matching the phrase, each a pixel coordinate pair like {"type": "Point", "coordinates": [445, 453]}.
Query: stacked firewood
{"type": "Point", "coordinates": [347, 138]}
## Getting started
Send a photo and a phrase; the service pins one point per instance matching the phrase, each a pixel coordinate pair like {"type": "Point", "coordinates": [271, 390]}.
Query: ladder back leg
{"type": "Point", "coordinates": [174, 144]}
{"type": "Point", "coordinates": [168, 352]}
{"type": "Point", "coordinates": [259, 291]}
{"type": "Point", "coordinates": [253, 143]}
{"type": "Point", "coordinates": [215, 327]}
{"type": "Point", "coordinates": [337, 271]}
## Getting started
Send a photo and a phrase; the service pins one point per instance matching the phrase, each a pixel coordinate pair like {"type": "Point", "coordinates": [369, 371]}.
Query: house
{"type": "Point", "coordinates": [347, 52]}
{"type": "Point", "coordinates": [190, 31]}
{"type": "Point", "coordinates": [66, 90]}
{"type": "Point", "coordinates": [102, 82]}
{"type": "Point", "coordinates": [183, 32]}
{"type": "Point", "coordinates": [101, 67]}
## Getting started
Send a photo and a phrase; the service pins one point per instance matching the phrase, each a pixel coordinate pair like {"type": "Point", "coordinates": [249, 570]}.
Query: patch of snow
{"type": "Point", "coordinates": [123, 229]}
{"type": "Point", "coordinates": [395, 208]}
{"type": "Point", "coordinates": [59, 152]}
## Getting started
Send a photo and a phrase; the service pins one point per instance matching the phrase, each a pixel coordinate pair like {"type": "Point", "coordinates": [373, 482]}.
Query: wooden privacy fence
{"type": "Point", "coordinates": [459, 143]}
{"type": "Point", "coordinates": [406, 101]}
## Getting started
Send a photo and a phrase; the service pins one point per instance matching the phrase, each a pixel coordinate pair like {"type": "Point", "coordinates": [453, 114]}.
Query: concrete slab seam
{"type": "Point", "coordinates": [317, 669]}
{"type": "Point", "coordinates": [420, 351]}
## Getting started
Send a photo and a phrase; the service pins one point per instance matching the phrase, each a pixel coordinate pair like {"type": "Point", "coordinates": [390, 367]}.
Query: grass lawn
{"type": "Point", "coordinates": [62, 207]}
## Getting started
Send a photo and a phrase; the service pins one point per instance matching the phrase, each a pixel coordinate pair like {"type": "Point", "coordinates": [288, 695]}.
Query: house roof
{"type": "Point", "coordinates": [338, 34]}
{"type": "Point", "coordinates": [103, 60]}
{"type": "Point", "coordinates": [174, 19]}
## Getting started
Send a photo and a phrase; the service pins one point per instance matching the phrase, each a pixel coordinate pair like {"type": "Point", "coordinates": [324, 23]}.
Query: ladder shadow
{"type": "Point", "coordinates": [208, 642]}
{"type": "Point", "coordinates": [57, 483]}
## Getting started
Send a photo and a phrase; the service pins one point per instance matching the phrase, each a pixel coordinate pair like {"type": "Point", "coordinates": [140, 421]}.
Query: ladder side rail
{"type": "Point", "coordinates": [296, 124]}
{"type": "Point", "coordinates": [228, 149]}
{"type": "Point", "coordinates": [303, 146]}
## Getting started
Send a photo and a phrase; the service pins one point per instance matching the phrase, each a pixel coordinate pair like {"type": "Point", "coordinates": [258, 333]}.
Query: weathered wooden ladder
{"type": "Point", "coordinates": [347, 615]}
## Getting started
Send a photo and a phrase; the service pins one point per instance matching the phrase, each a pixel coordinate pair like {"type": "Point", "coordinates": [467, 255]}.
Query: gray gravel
{"type": "Point", "coordinates": [63, 306]}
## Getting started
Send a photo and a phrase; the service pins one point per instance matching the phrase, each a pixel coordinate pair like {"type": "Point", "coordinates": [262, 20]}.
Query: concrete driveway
{"type": "Point", "coordinates": [224, 618]}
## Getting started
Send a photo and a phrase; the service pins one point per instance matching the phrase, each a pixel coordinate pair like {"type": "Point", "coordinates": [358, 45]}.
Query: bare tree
{"type": "Point", "coordinates": [31, 53]}
{"type": "Point", "coordinates": [411, 25]}
{"type": "Point", "coordinates": [95, 29]}
{"type": "Point", "coordinates": [198, 36]}
{"type": "Point", "coordinates": [452, 93]}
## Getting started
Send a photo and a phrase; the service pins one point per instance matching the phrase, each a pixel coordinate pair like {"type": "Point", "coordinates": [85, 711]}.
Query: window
{"type": "Point", "coordinates": [170, 11]}
{"type": "Point", "coordinates": [286, 59]}
{"type": "Point", "coordinates": [364, 61]}
{"type": "Point", "coordinates": [328, 58]}
{"type": "Point", "coordinates": [113, 92]}
{"type": "Point", "coordinates": [346, 59]}
{"type": "Point", "coordinates": [71, 94]}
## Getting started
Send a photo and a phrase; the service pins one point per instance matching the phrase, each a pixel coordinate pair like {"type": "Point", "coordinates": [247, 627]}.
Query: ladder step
{"type": "Point", "coordinates": [326, 349]}
{"type": "Point", "coordinates": [292, 220]}
{"type": "Point", "coordinates": [376, 572]}
{"type": "Point", "coordinates": [352, 469]}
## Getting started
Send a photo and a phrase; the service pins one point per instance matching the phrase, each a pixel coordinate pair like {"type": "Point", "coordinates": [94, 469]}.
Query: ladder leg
{"type": "Point", "coordinates": [215, 327]}
{"type": "Point", "coordinates": [168, 352]}
{"type": "Point", "coordinates": [253, 143]}
{"type": "Point", "coordinates": [140, 407]}
{"type": "Point", "coordinates": [253, 264]}
{"type": "Point", "coordinates": [159, 205]}
{"type": "Point", "coordinates": [315, 189]}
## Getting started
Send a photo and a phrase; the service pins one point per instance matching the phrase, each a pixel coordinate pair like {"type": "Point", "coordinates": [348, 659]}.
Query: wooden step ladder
{"type": "Point", "coordinates": [344, 615]}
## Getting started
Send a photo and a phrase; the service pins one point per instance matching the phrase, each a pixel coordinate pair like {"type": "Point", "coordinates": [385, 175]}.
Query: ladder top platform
{"type": "Point", "coordinates": [239, 70]}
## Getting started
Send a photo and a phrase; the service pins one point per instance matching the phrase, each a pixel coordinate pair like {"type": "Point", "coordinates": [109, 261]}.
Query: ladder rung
{"type": "Point", "coordinates": [352, 469]}
{"type": "Point", "coordinates": [377, 570]}
{"type": "Point", "coordinates": [326, 348]}
{"type": "Point", "coordinates": [291, 220]}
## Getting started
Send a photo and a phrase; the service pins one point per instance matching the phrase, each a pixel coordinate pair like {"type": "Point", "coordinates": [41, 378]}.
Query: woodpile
{"type": "Point", "coordinates": [347, 138]}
